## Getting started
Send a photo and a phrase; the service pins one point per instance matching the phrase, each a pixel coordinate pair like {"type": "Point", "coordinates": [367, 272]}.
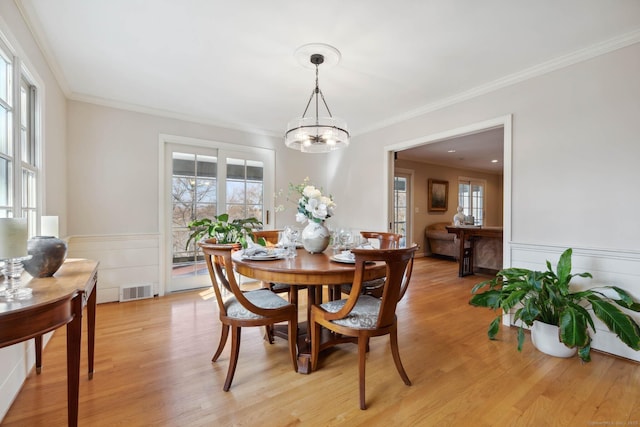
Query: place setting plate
{"type": "Point", "coordinates": [269, 255]}
{"type": "Point", "coordinates": [345, 259]}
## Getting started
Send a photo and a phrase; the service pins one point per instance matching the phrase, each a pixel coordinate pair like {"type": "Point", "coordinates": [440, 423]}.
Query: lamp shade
{"type": "Point", "coordinates": [13, 238]}
{"type": "Point", "coordinates": [317, 134]}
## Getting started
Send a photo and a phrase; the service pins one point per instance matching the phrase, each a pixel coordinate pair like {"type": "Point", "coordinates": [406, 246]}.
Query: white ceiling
{"type": "Point", "coordinates": [481, 151]}
{"type": "Point", "coordinates": [231, 63]}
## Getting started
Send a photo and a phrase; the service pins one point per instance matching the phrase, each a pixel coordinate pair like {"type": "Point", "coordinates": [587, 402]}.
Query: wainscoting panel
{"type": "Point", "coordinates": [129, 259]}
{"type": "Point", "coordinates": [607, 266]}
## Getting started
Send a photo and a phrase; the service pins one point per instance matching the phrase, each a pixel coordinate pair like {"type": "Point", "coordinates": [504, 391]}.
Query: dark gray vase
{"type": "Point", "coordinates": [47, 255]}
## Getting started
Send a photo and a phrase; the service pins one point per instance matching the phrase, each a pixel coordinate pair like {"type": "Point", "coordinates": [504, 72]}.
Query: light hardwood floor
{"type": "Point", "coordinates": [153, 368]}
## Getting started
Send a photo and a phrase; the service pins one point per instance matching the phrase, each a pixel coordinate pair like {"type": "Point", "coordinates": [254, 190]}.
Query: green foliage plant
{"type": "Point", "coordinates": [546, 296]}
{"type": "Point", "coordinates": [224, 231]}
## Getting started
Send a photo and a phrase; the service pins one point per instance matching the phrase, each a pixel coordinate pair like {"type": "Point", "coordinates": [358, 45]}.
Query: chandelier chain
{"type": "Point", "coordinates": [315, 92]}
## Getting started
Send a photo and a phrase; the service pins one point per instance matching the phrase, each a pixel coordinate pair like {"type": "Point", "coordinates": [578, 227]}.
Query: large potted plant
{"type": "Point", "coordinates": [224, 231]}
{"type": "Point", "coordinates": [545, 296]}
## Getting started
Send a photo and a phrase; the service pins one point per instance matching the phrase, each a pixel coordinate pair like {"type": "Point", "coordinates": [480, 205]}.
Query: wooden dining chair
{"type": "Point", "coordinates": [271, 237]}
{"type": "Point", "coordinates": [385, 241]}
{"type": "Point", "coordinates": [364, 316]}
{"type": "Point", "coordinates": [238, 309]}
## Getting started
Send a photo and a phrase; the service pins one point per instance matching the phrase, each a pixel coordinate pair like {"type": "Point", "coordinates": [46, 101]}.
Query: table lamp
{"type": "Point", "coordinates": [13, 249]}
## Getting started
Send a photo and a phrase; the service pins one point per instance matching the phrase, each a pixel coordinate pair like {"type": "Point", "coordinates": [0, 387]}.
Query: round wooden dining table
{"type": "Point", "coordinates": [313, 271]}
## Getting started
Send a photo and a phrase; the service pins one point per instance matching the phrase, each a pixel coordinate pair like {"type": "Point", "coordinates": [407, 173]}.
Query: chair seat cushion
{"type": "Point", "coordinates": [262, 298]}
{"type": "Point", "coordinates": [363, 316]}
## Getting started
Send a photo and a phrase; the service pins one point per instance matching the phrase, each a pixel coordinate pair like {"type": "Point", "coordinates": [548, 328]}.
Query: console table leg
{"type": "Point", "coordinates": [91, 328]}
{"type": "Point", "coordinates": [38, 343]}
{"type": "Point", "coordinates": [74, 338]}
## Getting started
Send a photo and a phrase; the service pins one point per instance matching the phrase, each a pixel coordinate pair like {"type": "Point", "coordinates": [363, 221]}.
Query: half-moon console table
{"type": "Point", "coordinates": [56, 301]}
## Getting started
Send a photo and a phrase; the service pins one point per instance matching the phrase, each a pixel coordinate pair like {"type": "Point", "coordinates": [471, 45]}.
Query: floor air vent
{"type": "Point", "coordinates": [135, 292]}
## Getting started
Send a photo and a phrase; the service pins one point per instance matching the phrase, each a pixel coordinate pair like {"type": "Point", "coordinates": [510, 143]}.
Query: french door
{"type": "Point", "coordinates": [201, 182]}
{"type": "Point", "coordinates": [402, 202]}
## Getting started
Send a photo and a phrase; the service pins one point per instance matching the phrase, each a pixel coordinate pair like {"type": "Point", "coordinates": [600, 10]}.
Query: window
{"type": "Point", "coordinates": [471, 198]}
{"type": "Point", "coordinates": [19, 148]}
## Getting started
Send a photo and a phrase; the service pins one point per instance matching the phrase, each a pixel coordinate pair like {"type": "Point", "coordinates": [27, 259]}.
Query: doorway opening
{"type": "Point", "coordinates": [503, 125]}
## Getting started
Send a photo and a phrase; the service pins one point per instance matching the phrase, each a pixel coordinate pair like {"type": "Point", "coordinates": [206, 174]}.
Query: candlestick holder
{"type": "Point", "coordinates": [13, 288]}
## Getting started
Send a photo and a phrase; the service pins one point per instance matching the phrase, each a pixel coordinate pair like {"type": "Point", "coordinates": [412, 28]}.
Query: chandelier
{"type": "Point", "coordinates": [317, 134]}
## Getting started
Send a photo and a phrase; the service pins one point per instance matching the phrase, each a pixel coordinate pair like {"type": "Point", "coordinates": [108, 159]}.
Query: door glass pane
{"type": "Point", "coordinates": [193, 197]}
{"type": "Point", "coordinates": [400, 205]}
{"type": "Point", "coordinates": [244, 188]}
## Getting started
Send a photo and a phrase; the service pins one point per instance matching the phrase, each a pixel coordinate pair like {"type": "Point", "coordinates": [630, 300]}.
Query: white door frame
{"type": "Point", "coordinates": [164, 212]}
{"type": "Point", "coordinates": [506, 123]}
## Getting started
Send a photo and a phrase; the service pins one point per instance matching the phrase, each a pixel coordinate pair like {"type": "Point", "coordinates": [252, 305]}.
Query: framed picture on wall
{"type": "Point", "coordinates": [438, 195]}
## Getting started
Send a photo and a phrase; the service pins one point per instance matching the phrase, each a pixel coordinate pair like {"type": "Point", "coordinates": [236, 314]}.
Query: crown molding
{"type": "Point", "coordinates": [110, 103]}
{"type": "Point", "coordinates": [564, 61]}
{"type": "Point", "coordinates": [33, 24]}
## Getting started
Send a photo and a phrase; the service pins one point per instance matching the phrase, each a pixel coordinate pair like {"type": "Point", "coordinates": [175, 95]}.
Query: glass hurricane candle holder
{"type": "Point", "coordinates": [13, 288]}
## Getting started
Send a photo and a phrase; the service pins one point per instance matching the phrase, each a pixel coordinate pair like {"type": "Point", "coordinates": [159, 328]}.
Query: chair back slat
{"type": "Point", "coordinates": [387, 240]}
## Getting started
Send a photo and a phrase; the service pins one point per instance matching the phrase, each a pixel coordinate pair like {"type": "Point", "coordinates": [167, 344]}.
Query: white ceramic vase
{"type": "Point", "coordinates": [546, 338]}
{"type": "Point", "coordinates": [315, 237]}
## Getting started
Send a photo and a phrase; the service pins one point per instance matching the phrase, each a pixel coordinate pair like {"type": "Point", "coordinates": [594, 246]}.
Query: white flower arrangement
{"type": "Point", "coordinates": [312, 204]}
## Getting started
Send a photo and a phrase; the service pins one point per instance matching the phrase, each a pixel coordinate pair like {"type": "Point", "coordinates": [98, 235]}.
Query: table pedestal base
{"type": "Point", "coordinates": [304, 343]}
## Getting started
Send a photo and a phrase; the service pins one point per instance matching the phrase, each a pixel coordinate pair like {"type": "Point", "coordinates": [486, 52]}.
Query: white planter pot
{"type": "Point", "coordinates": [546, 338]}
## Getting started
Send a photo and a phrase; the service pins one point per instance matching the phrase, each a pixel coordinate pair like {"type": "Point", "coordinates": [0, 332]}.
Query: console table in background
{"type": "Point", "coordinates": [56, 301]}
{"type": "Point", "coordinates": [484, 245]}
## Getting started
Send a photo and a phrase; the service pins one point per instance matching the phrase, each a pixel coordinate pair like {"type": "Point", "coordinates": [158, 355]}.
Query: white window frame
{"type": "Point", "coordinates": [21, 73]}
{"type": "Point", "coordinates": [474, 181]}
